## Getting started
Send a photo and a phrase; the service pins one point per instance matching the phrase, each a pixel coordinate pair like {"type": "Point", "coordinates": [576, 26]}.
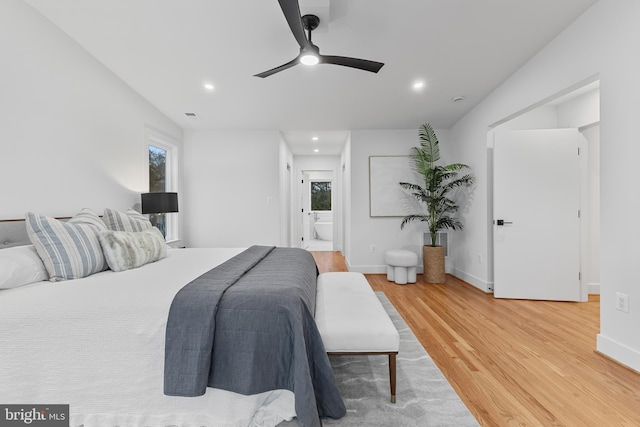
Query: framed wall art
{"type": "Point", "coordinates": [386, 197]}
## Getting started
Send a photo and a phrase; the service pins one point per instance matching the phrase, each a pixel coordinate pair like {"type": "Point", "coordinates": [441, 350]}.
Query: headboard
{"type": "Point", "coordinates": [13, 232]}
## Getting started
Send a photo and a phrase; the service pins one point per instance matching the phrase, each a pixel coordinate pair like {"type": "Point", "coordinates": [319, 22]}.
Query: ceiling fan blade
{"type": "Point", "coordinates": [291, 10]}
{"type": "Point", "coordinates": [278, 69]}
{"type": "Point", "coordinates": [361, 64]}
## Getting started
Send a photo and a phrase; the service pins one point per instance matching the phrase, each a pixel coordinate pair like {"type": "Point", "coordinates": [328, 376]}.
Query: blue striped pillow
{"type": "Point", "coordinates": [69, 250]}
{"type": "Point", "coordinates": [125, 221]}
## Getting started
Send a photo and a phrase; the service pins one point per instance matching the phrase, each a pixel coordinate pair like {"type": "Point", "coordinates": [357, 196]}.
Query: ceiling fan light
{"type": "Point", "coordinates": [309, 59]}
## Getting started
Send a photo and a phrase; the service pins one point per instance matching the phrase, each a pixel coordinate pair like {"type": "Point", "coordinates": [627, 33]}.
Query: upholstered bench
{"type": "Point", "coordinates": [352, 320]}
{"type": "Point", "coordinates": [401, 266]}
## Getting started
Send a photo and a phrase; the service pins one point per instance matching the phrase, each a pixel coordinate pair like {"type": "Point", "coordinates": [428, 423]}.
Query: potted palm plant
{"type": "Point", "coordinates": [435, 193]}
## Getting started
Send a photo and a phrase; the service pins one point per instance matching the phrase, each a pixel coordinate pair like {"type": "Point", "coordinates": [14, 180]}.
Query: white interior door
{"type": "Point", "coordinates": [536, 214]}
{"type": "Point", "coordinates": [305, 211]}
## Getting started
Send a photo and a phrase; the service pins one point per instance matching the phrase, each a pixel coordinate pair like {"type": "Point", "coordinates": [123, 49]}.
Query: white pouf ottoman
{"type": "Point", "coordinates": [401, 266]}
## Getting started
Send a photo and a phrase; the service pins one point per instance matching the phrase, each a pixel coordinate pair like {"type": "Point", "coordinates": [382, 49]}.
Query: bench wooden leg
{"type": "Point", "coordinates": [392, 376]}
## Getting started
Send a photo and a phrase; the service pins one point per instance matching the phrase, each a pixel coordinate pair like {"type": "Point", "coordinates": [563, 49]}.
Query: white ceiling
{"type": "Point", "coordinates": [167, 49]}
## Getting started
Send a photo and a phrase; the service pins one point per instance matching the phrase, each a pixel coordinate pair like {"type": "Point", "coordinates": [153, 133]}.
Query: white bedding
{"type": "Point", "coordinates": [97, 344]}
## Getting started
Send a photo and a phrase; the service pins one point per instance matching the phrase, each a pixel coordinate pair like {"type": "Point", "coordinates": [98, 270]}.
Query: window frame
{"type": "Point", "coordinates": [165, 142]}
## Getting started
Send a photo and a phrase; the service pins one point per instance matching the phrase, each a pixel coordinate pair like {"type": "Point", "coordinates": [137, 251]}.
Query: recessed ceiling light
{"type": "Point", "coordinates": [418, 85]}
{"type": "Point", "coordinates": [316, 151]}
{"type": "Point", "coordinates": [208, 86]}
{"type": "Point", "coordinates": [315, 138]}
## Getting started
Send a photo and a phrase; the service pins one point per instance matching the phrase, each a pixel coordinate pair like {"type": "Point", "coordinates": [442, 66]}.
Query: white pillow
{"type": "Point", "coordinates": [131, 249]}
{"type": "Point", "coordinates": [20, 266]}
{"type": "Point", "coordinates": [69, 250]}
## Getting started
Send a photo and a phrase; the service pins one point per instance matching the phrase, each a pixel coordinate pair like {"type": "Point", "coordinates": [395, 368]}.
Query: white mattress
{"type": "Point", "coordinates": [97, 344]}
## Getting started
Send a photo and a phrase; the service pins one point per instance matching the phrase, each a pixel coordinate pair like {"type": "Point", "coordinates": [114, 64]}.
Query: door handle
{"type": "Point", "coordinates": [502, 222]}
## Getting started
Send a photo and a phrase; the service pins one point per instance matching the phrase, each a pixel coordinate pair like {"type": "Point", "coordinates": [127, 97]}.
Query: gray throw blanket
{"type": "Point", "coordinates": [247, 326]}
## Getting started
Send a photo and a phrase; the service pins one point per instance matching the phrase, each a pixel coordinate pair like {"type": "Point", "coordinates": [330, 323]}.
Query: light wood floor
{"type": "Point", "coordinates": [513, 362]}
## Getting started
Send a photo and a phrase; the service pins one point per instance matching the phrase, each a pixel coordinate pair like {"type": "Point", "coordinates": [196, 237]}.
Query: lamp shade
{"type": "Point", "coordinates": [156, 203]}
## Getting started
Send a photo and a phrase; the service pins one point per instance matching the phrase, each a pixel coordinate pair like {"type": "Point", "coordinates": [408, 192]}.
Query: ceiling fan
{"type": "Point", "coordinates": [309, 52]}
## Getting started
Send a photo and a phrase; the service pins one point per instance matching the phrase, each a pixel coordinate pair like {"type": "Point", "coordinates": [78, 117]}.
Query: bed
{"type": "Point", "coordinates": [98, 344]}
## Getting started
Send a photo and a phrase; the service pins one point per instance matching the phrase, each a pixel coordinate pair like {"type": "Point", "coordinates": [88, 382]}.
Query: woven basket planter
{"type": "Point", "coordinates": [433, 258]}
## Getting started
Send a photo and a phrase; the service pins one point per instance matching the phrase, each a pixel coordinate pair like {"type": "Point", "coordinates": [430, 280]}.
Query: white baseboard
{"type": "Point", "coordinates": [593, 288]}
{"type": "Point", "coordinates": [483, 285]}
{"type": "Point", "coordinates": [374, 269]}
{"type": "Point", "coordinates": [382, 269]}
{"type": "Point", "coordinates": [367, 269]}
{"type": "Point", "coordinates": [619, 352]}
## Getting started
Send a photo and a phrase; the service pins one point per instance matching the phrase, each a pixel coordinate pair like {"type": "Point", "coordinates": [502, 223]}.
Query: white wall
{"type": "Point", "coordinates": [599, 42]}
{"type": "Point", "coordinates": [72, 134]}
{"type": "Point", "coordinates": [580, 111]}
{"type": "Point", "coordinates": [383, 232]}
{"type": "Point", "coordinates": [592, 260]}
{"type": "Point", "coordinates": [345, 166]}
{"type": "Point", "coordinates": [287, 190]}
{"type": "Point", "coordinates": [232, 188]}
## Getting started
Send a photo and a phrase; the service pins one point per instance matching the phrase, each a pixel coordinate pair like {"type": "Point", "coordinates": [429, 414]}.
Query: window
{"type": "Point", "coordinates": [162, 153]}
{"type": "Point", "coordinates": [158, 182]}
{"type": "Point", "coordinates": [320, 195]}
{"type": "Point", "coordinates": [157, 169]}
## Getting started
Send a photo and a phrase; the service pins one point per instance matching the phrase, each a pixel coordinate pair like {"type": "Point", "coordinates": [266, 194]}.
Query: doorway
{"type": "Point", "coordinates": [536, 203]}
{"type": "Point", "coordinates": [317, 209]}
{"type": "Point", "coordinates": [576, 108]}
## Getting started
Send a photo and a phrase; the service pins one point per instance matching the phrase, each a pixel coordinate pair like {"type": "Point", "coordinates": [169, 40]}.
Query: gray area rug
{"type": "Point", "coordinates": [423, 397]}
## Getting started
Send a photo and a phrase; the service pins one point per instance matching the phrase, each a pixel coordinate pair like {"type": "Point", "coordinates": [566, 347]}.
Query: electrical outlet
{"type": "Point", "coordinates": [622, 302]}
{"type": "Point", "coordinates": [373, 249]}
